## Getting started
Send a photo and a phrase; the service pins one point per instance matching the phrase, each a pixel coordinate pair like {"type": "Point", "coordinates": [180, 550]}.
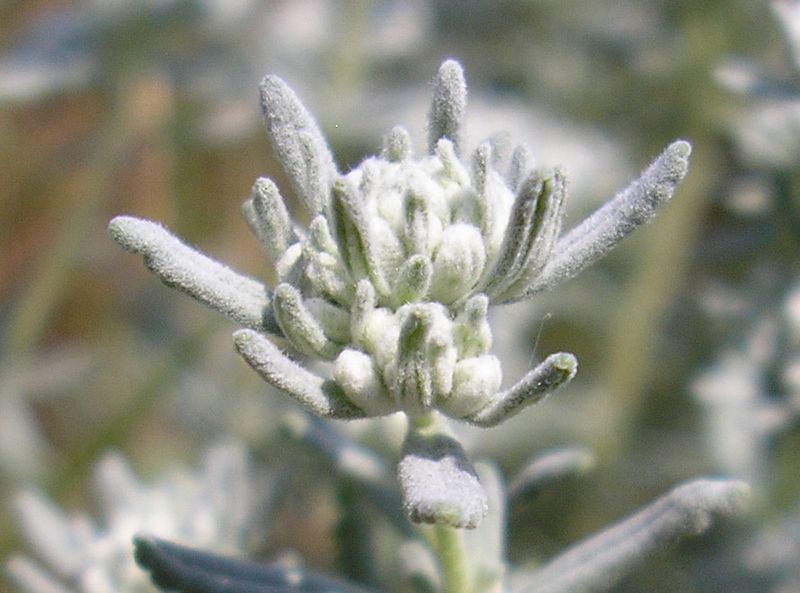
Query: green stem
{"type": "Point", "coordinates": [452, 553]}
{"type": "Point", "coordinates": [425, 422]}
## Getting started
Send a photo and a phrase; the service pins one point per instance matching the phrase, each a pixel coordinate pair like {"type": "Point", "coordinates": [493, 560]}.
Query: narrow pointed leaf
{"type": "Point", "coordinates": [544, 229]}
{"type": "Point", "coordinates": [356, 240]}
{"type": "Point", "coordinates": [599, 562]}
{"type": "Point", "coordinates": [448, 106]}
{"type": "Point", "coordinates": [315, 394]}
{"type": "Point", "coordinates": [413, 381]}
{"type": "Point", "coordinates": [614, 221]}
{"type": "Point", "coordinates": [554, 372]}
{"type": "Point", "coordinates": [300, 326]}
{"type": "Point", "coordinates": [452, 168]}
{"type": "Point", "coordinates": [472, 333]}
{"type": "Point", "coordinates": [425, 359]}
{"type": "Point", "coordinates": [397, 145]}
{"type": "Point", "coordinates": [518, 235]}
{"type": "Point", "coordinates": [186, 570]}
{"type": "Point", "coordinates": [547, 469]}
{"type": "Point", "coordinates": [298, 143]}
{"type": "Point", "coordinates": [268, 218]}
{"type": "Point", "coordinates": [486, 181]}
{"type": "Point", "coordinates": [521, 165]}
{"type": "Point", "coordinates": [482, 167]}
{"type": "Point", "coordinates": [334, 320]}
{"type": "Point", "coordinates": [417, 224]}
{"type": "Point", "coordinates": [324, 268]}
{"type": "Point", "coordinates": [363, 304]}
{"type": "Point", "coordinates": [490, 206]}
{"type": "Point", "coordinates": [177, 265]}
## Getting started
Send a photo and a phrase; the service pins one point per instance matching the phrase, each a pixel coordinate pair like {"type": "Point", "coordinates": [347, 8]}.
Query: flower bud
{"type": "Point", "coordinates": [355, 373]}
{"type": "Point", "coordinates": [458, 263]}
{"type": "Point", "coordinates": [475, 381]}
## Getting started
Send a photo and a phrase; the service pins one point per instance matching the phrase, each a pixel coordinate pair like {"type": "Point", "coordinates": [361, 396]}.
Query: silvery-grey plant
{"type": "Point", "coordinates": [432, 559]}
{"type": "Point", "coordinates": [390, 283]}
{"type": "Point", "coordinates": [217, 506]}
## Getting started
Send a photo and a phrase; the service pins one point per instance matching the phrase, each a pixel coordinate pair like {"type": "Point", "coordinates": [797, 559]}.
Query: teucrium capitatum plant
{"type": "Point", "coordinates": [392, 278]}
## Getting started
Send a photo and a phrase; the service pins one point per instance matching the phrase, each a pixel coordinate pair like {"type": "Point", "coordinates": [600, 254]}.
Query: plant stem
{"type": "Point", "coordinates": [452, 554]}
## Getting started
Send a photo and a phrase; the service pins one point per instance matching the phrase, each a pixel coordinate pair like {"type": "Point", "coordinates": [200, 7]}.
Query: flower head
{"type": "Point", "coordinates": [392, 278]}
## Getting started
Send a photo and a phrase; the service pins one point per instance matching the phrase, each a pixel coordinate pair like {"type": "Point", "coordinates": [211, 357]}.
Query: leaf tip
{"type": "Point", "coordinates": [681, 148]}
{"type": "Point", "coordinates": [134, 234]}
{"type": "Point", "coordinates": [243, 339]}
{"type": "Point", "coordinates": [565, 362]}
{"type": "Point", "coordinates": [144, 550]}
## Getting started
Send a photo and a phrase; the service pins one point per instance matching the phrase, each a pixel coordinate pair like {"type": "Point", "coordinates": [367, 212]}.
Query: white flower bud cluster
{"type": "Point", "coordinates": [386, 282]}
{"type": "Point", "coordinates": [391, 280]}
